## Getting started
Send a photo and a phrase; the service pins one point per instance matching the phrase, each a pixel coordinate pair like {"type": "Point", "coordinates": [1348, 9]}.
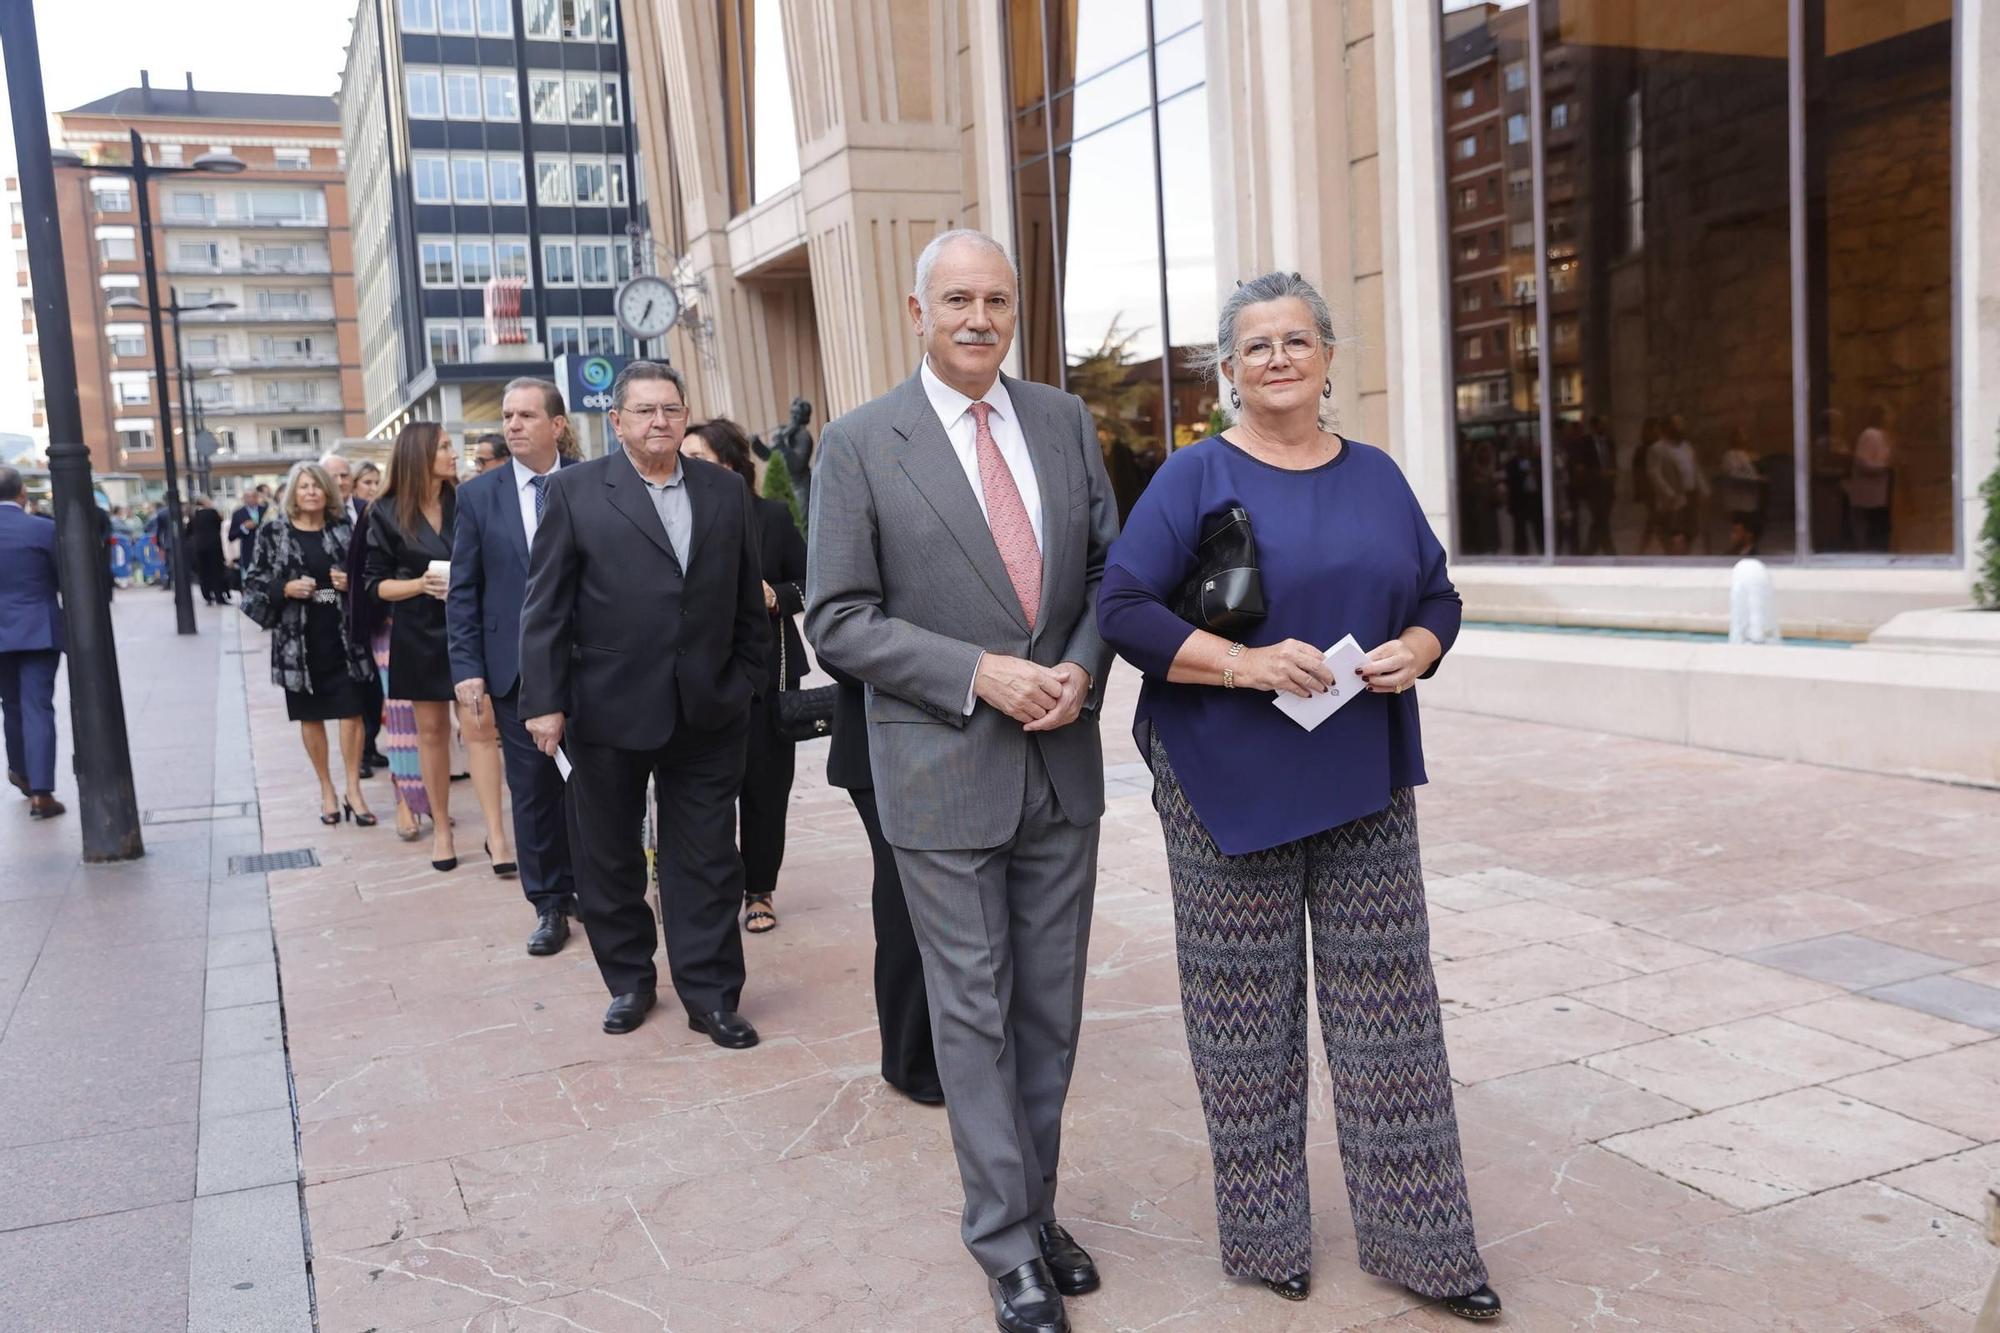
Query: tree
{"type": "Point", "coordinates": [1987, 588]}
{"type": "Point", "coordinates": [778, 486]}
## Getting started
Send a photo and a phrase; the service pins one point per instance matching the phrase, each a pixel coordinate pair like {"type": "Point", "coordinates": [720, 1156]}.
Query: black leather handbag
{"type": "Point", "coordinates": [803, 715]}
{"type": "Point", "coordinates": [1226, 594]}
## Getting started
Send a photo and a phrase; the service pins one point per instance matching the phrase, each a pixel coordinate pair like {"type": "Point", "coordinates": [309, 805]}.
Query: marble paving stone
{"type": "Point", "coordinates": [1493, 981]}
{"type": "Point", "coordinates": [1970, 934]}
{"type": "Point", "coordinates": [1854, 962]}
{"type": "Point", "coordinates": [1550, 1108]}
{"type": "Point", "coordinates": [365, 1211]}
{"type": "Point", "coordinates": [1798, 1143]}
{"type": "Point", "coordinates": [1958, 1090]}
{"type": "Point", "coordinates": [1704, 994]}
{"type": "Point", "coordinates": [1746, 927]}
{"type": "Point", "coordinates": [1461, 894]}
{"type": "Point", "coordinates": [1636, 949]}
{"type": "Point", "coordinates": [1956, 999]}
{"type": "Point", "coordinates": [1737, 1062]}
{"type": "Point", "coordinates": [1533, 922]}
{"type": "Point", "coordinates": [1887, 1027]}
{"type": "Point", "coordinates": [1528, 1036]}
{"type": "Point", "coordinates": [1960, 1182]}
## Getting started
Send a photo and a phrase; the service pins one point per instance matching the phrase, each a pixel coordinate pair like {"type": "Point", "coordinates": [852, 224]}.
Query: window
{"type": "Point", "coordinates": [508, 184]}
{"type": "Point", "coordinates": [169, 154]}
{"type": "Point", "coordinates": [586, 100]}
{"type": "Point", "coordinates": [1468, 198]}
{"type": "Point", "coordinates": [461, 94]}
{"type": "Point", "coordinates": [116, 244]}
{"type": "Point", "coordinates": [475, 338]}
{"type": "Point", "coordinates": [585, 29]}
{"type": "Point", "coordinates": [475, 262]}
{"type": "Point", "coordinates": [129, 282]}
{"type": "Point", "coordinates": [1468, 246]}
{"type": "Point", "coordinates": [292, 159]}
{"type": "Point", "coordinates": [135, 441]}
{"type": "Point", "coordinates": [1468, 299]}
{"type": "Point", "coordinates": [1467, 147]}
{"type": "Point", "coordinates": [510, 258]}
{"type": "Point", "coordinates": [419, 16]}
{"type": "Point", "coordinates": [544, 19]}
{"type": "Point", "coordinates": [283, 302]}
{"type": "Point", "coordinates": [1465, 97]}
{"type": "Point", "coordinates": [127, 340]}
{"type": "Point", "coordinates": [600, 337]}
{"type": "Point", "coordinates": [612, 115]}
{"type": "Point", "coordinates": [621, 262]}
{"type": "Point", "coordinates": [500, 99]}
{"type": "Point", "coordinates": [593, 263]}
{"type": "Point", "coordinates": [496, 18]}
{"type": "Point", "coordinates": [446, 344]}
{"type": "Point", "coordinates": [1517, 76]}
{"type": "Point", "coordinates": [1522, 235]}
{"type": "Point", "coordinates": [551, 180]}
{"type": "Point", "coordinates": [565, 338]}
{"type": "Point", "coordinates": [1517, 128]}
{"type": "Point", "coordinates": [1520, 183]}
{"type": "Point", "coordinates": [112, 196]}
{"type": "Point", "coordinates": [1559, 116]}
{"type": "Point", "coordinates": [468, 178]}
{"type": "Point", "coordinates": [545, 100]}
{"type": "Point", "coordinates": [1524, 289]}
{"type": "Point", "coordinates": [190, 204]}
{"type": "Point", "coordinates": [195, 254]}
{"type": "Point", "coordinates": [278, 256]}
{"type": "Point", "coordinates": [204, 349]}
{"type": "Point", "coordinates": [615, 173]}
{"type": "Point", "coordinates": [424, 93]}
{"type": "Point", "coordinates": [455, 16]}
{"type": "Point", "coordinates": [431, 177]}
{"type": "Point", "coordinates": [559, 263]}
{"type": "Point", "coordinates": [1475, 346]}
{"type": "Point", "coordinates": [436, 263]}
{"type": "Point", "coordinates": [131, 388]}
{"type": "Point", "coordinates": [590, 185]}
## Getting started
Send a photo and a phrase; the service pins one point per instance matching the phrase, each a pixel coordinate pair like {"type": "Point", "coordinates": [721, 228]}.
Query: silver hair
{"type": "Point", "coordinates": [927, 260]}
{"type": "Point", "coordinates": [646, 370]}
{"type": "Point", "coordinates": [1265, 287]}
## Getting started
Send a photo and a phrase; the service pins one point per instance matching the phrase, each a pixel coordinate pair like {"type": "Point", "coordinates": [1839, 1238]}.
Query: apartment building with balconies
{"type": "Point", "coordinates": [277, 375]}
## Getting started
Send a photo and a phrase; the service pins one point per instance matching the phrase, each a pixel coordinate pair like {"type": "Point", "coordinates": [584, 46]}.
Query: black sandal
{"type": "Point", "coordinates": [756, 914]}
{"type": "Point", "coordinates": [361, 818]}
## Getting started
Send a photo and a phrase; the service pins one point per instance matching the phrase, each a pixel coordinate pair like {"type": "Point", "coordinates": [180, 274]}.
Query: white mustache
{"type": "Point", "coordinates": [976, 338]}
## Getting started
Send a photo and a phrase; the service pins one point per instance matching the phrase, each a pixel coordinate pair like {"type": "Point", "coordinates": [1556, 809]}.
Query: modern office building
{"type": "Point", "coordinates": [482, 154]}
{"type": "Point", "coordinates": [1557, 233]}
{"type": "Point", "coordinates": [276, 377]}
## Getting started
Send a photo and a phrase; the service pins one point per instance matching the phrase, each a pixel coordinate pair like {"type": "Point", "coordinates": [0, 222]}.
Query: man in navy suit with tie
{"type": "Point", "coordinates": [499, 512]}
{"type": "Point", "coordinates": [31, 643]}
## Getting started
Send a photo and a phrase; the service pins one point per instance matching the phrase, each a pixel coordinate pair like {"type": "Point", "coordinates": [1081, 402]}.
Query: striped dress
{"type": "Point", "coordinates": [399, 732]}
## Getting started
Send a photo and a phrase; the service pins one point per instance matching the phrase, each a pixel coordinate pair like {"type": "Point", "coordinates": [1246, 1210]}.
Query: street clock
{"type": "Point", "coordinates": [648, 306]}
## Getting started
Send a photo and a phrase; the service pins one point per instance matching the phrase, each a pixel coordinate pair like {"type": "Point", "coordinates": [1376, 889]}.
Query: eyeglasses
{"type": "Point", "coordinates": [665, 411]}
{"type": "Point", "coordinates": [1258, 351]}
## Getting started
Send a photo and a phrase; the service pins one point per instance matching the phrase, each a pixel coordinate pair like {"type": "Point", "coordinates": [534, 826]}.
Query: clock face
{"type": "Point", "coordinates": [648, 306]}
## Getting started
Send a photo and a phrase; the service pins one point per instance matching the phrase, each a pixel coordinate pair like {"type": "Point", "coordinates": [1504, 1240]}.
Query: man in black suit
{"type": "Point", "coordinates": [243, 523]}
{"type": "Point", "coordinates": [204, 527]}
{"type": "Point", "coordinates": [643, 645]}
{"type": "Point", "coordinates": [499, 517]}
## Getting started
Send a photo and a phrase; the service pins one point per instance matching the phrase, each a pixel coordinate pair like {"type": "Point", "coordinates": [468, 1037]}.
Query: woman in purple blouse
{"type": "Point", "coordinates": [1270, 826]}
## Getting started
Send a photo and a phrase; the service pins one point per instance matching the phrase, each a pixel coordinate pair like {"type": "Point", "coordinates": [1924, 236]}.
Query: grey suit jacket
{"type": "Point", "coordinates": [905, 589]}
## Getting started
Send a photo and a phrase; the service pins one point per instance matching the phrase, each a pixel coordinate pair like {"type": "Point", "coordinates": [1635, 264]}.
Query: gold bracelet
{"type": "Point", "coordinates": [1228, 675]}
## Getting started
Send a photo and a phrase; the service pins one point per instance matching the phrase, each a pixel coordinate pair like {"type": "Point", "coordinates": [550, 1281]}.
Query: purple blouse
{"type": "Point", "coordinates": [1345, 549]}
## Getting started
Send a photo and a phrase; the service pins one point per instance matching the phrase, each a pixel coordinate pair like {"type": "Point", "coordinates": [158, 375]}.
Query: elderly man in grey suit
{"type": "Point", "coordinates": [960, 524]}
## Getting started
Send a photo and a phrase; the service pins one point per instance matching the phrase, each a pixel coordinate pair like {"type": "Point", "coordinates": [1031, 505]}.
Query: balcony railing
{"type": "Point", "coordinates": [301, 315]}
{"type": "Point", "coordinates": [260, 361]}
{"type": "Point", "coordinates": [251, 268]}
{"type": "Point", "coordinates": [230, 407]}
{"type": "Point", "coordinates": [246, 220]}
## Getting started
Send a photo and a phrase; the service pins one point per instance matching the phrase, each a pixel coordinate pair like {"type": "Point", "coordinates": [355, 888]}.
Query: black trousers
{"type": "Point", "coordinates": [210, 573]}
{"type": "Point", "coordinates": [541, 823]}
{"type": "Point", "coordinates": [902, 1006]}
{"type": "Point", "coordinates": [372, 704]}
{"type": "Point", "coordinates": [696, 777]}
{"type": "Point", "coordinates": [769, 764]}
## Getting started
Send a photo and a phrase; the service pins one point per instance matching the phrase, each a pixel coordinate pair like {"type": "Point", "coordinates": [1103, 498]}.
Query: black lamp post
{"type": "Point", "coordinates": [109, 804]}
{"type": "Point", "coordinates": [141, 173]}
{"type": "Point", "coordinates": [183, 377]}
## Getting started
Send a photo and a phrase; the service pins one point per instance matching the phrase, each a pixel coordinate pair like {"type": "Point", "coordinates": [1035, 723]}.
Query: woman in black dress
{"type": "Point", "coordinates": [771, 761]}
{"type": "Point", "coordinates": [409, 558]}
{"type": "Point", "coordinates": [294, 587]}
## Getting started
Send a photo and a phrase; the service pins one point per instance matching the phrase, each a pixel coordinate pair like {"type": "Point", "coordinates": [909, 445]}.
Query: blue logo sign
{"type": "Point", "coordinates": [597, 373]}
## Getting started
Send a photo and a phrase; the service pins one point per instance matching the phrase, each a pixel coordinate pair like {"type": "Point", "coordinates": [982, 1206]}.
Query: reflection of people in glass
{"type": "Point", "coordinates": [1524, 497]}
{"type": "Point", "coordinates": [1478, 498]}
{"type": "Point", "coordinates": [1829, 462]}
{"type": "Point", "coordinates": [1679, 489]}
{"type": "Point", "coordinates": [1872, 483]}
{"type": "Point", "coordinates": [1642, 485]}
{"type": "Point", "coordinates": [1742, 490]}
{"type": "Point", "coordinates": [1593, 473]}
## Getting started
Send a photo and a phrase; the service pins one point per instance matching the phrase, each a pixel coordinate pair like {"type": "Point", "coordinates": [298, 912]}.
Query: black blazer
{"type": "Point", "coordinates": [614, 635]}
{"type": "Point", "coordinates": [205, 530]}
{"type": "Point", "coordinates": [782, 553]}
{"type": "Point", "coordinates": [419, 667]}
{"type": "Point", "coordinates": [489, 581]}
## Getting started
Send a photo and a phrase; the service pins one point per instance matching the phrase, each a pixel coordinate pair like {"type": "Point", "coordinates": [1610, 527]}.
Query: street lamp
{"type": "Point", "coordinates": [141, 173]}
{"type": "Point", "coordinates": [183, 376]}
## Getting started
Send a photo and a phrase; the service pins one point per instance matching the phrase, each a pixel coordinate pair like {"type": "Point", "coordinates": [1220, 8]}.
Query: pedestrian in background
{"type": "Point", "coordinates": [771, 759]}
{"type": "Point", "coordinates": [1255, 853]}
{"type": "Point", "coordinates": [31, 645]}
{"type": "Point", "coordinates": [489, 452]}
{"type": "Point", "coordinates": [243, 523]}
{"type": "Point", "coordinates": [204, 527]}
{"type": "Point", "coordinates": [295, 587]}
{"type": "Point", "coordinates": [364, 616]}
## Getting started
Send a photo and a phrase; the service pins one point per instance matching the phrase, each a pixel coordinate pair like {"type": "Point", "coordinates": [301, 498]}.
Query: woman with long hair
{"type": "Point", "coordinates": [293, 587]}
{"type": "Point", "coordinates": [409, 557]}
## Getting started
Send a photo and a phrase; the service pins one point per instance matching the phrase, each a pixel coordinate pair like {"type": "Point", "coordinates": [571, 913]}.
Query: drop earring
{"type": "Point", "coordinates": [1327, 392]}
{"type": "Point", "coordinates": [1235, 398]}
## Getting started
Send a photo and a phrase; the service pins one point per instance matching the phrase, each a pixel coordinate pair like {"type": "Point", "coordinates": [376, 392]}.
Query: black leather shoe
{"type": "Point", "coordinates": [927, 1095]}
{"type": "Point", "coordinates": [1295, 1288]}
{"type": "Point", "coordinates": [1026, 1301]}
{"type": "Point", "coordinates": [550, 935]}
{"type": "Point", "coordinates": [725, 1027]}
{"type": "Point", "coordinates": [375, 759]}
{"type": "Point", "coordinates": [1481, 1304]}
{"type": "Point", "coordinates": [628, 1011]}
{"type": "Point", "coordinates": [1074, 1270]}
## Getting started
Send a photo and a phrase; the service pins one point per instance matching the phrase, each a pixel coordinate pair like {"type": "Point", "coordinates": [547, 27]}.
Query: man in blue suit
{"type": "Point", "coordinates": [498, 514]}
{"type": "Point", "coordinates": [31, 643]}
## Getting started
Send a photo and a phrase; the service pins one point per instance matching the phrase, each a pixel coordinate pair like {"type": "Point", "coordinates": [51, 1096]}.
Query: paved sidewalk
{"type": "Point", "coordinates": [1727, 1030]}
{"type": "Point", "coordinates": [148, 1167]}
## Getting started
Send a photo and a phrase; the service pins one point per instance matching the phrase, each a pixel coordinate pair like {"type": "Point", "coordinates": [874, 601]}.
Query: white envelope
{"type": "Point", "coordinates": [562, 763]}
{"type": "Point", "coordinates": [1341, 659]}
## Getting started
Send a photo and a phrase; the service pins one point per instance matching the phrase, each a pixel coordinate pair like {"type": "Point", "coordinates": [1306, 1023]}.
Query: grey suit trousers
{"type": "Point", "coordinates": [1004, 932]}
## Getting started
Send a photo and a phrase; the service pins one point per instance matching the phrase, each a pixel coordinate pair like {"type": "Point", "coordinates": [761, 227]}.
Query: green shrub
{"type": "Point", "coordinates": [1987, 589]}
{"type": "Point", "coordinates": [778, 486]}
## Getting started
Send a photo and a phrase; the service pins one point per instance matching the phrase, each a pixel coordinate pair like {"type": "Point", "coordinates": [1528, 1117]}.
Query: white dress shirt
{"type": "Point", "coordinates": [962, 429]}
{"type": "Point", "coordinates": [524, 491]}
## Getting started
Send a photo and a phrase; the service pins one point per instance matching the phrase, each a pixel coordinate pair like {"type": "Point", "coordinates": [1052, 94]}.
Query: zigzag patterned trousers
{"type": "Point", "coordinates": [1241, 932]}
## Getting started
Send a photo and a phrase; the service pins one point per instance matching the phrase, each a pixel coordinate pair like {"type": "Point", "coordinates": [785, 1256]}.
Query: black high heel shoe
{"type": "Point", "coordinates": [330, 819]}
{"type": "Point", "coordinates": [1294, 1288]}
{"type": "Point", "coordinates": [504, 869]}
{"type": "Point", "coordinates": [361, 818]}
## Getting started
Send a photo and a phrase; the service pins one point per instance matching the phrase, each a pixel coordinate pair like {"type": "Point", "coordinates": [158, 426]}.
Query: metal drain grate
{"type": "Point", "coordinates": [304, 858]}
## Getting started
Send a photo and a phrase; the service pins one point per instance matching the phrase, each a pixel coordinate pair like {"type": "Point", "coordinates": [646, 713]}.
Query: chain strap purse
{"type": "Point", "coordinates": [803, 715]}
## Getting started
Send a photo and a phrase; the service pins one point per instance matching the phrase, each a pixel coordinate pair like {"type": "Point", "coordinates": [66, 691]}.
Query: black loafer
{"type": "Point", "coordinates": [628, 1011]}
{"type": "Point", "coordinates": [929, 1095]}
{"type": "Point", "coordinates": [1295, 1288]}
{"type": "Point", "coordinates": [550, 935]}
{"type": "Point", "coordinates": [1481, 1304]}
{"type": "Point", "coordinates": [1073, 1269]}
{"type": "Point", "coordinates": [1026, 1301]}
{"type": "Point", "coordinates": [725, 1027]}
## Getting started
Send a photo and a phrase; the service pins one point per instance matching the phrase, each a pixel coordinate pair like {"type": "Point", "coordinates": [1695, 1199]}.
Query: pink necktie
{"type": "Point", "coordinates": [1007, 516]}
